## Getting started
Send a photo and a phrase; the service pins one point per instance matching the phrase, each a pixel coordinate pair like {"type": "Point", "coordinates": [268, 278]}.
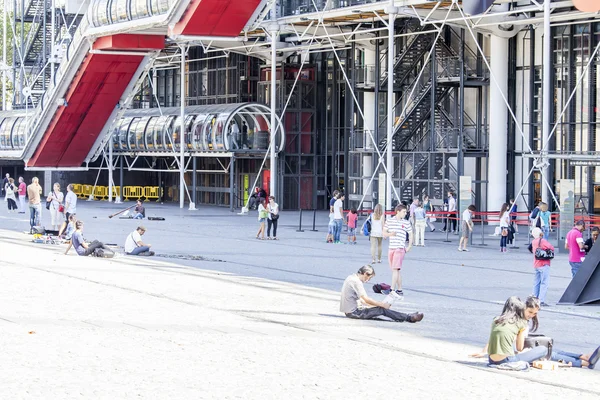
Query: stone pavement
{"type": "Point", "coordinates": [259, 319]}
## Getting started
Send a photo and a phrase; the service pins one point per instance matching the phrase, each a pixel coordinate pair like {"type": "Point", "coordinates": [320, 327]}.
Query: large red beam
{"type": "Point", "coordinates": [216, 17]}
{"type": "Point", "coordinates": [91, 99]}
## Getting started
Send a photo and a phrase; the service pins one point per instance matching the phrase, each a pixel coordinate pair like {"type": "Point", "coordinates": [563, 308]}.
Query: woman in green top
{"type": "Point", "coordinates": [510, 329]}
{"type": "Point", "coordinates": [263, 213]}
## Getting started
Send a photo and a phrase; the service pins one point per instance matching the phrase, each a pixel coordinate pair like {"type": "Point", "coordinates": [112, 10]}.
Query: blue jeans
{"type": "Point", "coordinates": [574, 267]}
{"type": "Point", "coordinates": [338, 230]}
{"type": "Point", "coordinates": [138, 216]}
{"type": "Point", "coordinates": [546, 231]}
{"type": "Point", "coordinates": [540, 282]}
{"type": "Point", "coordinates": [35, 211]}
{"type": "Point", "coordinates": [558, 355]}
{"type": "Point", "coordinates": [530, 356]}
{"type": "Point", "coordinates": [138, 250]}
{"type": "Point", "coordinates": [503, 239]}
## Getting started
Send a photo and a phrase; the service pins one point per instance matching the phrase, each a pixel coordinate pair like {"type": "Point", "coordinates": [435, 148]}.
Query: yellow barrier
{"type": "Point", "coordinates": [78, 189]}
{"type": "Point", "coordinates": [87, 190]}
{"type": "Point", "coordinates": [100, 193]}
{"type": "Point", "coordinates": [133, 192]}
{"type": "Point", "coordinates": [116, 192]}
{"type": "Point", "coordinates": [152, 192]}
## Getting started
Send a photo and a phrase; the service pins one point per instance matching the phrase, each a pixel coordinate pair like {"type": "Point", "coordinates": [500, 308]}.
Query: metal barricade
{"type": "Point", "coordinates": [152, 192]}
{"type": "Point", "coordinates": [101, 193]}
{"type": "Point", "coordinates": [87, 191]}
{"type": "Point", "coordinates": [133, 192]}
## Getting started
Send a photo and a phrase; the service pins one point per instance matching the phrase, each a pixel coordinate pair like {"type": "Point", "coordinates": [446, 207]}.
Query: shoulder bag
{"type": "Point", "coordinates": [543, 254]}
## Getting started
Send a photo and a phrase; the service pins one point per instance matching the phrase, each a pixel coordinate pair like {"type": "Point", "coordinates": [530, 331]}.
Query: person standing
{"type": "Point", "coordinates": [351, 220]}
{"type": "Point", "coordinates": [22, 195]}
{"type": "Point", "coordinates": [576, 246]}
{"type": "Point", "coordinates": [545, 219]}
{"type": "Point", "coordinates": [428, 207]}
{"type": "Point", "coordinates": [273, 218]}
{"type": "Point", "coordinates": [504, 223]}
{"type": "Point", "coordinates": [244, 135]}
{"type": "Point", "coordinates": [134, 245]}
{"type": "Point", "coordinates": [338, 217]}
{"type": "Point", "coordinates": [452, 212]}
{"type": "Point", "coordinates": [376, 235]}
{"type": "Point", "coordinates": [590, 242]}
{"type": "Point", "coordinates": [411, 212]}
{"type": "Point", "coordinates": [9, 190]}
{"type": "Point", "coordinates": [419, 220]}
{"type": "Point", "coordinates": [34, 192]}
{"type": "Point", "coordinates": [541, 267]}
{"type": "Point", "coordinates": [56, 208]}
{"type": "Point", "coordinates": [70, 207]}
{"type": "Point", "coordinates": [4, 183]}
{"type": "Point", "coordinates": [331, 226]}
{"type": "Point", "coordinates": [399, 231]}
{"type": "Point", "coordinates": [466, 228]}
{"type": "Point", "coordinates": [355, 303]}
{"type": "Point", "coordinates": [262, 217]}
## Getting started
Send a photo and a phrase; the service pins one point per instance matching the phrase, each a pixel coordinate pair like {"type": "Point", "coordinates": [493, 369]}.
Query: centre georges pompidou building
{"type": "Point", "coordinates": [386, 100]}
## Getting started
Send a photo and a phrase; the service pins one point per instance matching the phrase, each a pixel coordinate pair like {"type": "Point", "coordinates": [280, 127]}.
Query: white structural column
{"type": "Point", "coordinates": [110, 166]}
{"type": "Point", "coordinates": [274, 29]}
{"type": "Point", "coordinates": [391, 11]}
{"type": "Point", "coordinates": [182, 132]}
{"type": "Point", "coordinates": [496, 188]}
{"type": "Point", "coordinates": [369, 106]}
{"type": "Point", "coordinates": [546, 90]}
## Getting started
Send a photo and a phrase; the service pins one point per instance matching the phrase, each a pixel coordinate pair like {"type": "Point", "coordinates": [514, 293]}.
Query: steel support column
{"type": "Point", "coordinates": [182, 132]}
{"type": "Point", "coordinates": [391, 11]}
{"type": "Point", "coordinates": [274, 30]}
{"type": "Point", "coordinates": [547, 89]}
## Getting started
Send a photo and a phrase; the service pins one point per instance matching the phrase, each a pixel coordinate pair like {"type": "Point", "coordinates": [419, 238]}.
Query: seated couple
{"type": "Point", "coordinates": [134, 245]}
{"type": "Point", "coordinates": [82, 247]}
{"type": "Point", "coordinates": [356, 304]}
{"type": "Point", "coordinates": [511, 328]}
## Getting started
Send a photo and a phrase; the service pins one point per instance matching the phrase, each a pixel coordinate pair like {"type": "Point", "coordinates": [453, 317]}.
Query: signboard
{"type": "Point", "coordinates": [584, 163]}
{"type": "Point", "coordinates": [464, 195]}
{"type": "Point", "coordinates": [567, 207]}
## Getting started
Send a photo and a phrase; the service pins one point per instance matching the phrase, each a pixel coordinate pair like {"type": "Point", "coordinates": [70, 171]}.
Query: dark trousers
{"type": "Point", "coordinates": [12, 205]}
{"type": "Point", "coordinates": [269, 224]}
{"type": "Point", "coordinates": [93, 246]}
{"type": "Point", "coordinates": [374, 312]}
{"type": "Point", "coordinates": [448, 221]}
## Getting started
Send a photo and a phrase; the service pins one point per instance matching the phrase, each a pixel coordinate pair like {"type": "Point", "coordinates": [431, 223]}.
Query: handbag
{"type": "Point", "coordinates": [274, 217]}
{"type": "Point", "coordinates": [536, 340]}
{"type": "Point", "coordinates": [543, 254]}
{"type": "Point", "coordinates": [48, 203]}
{"type": "Point", "coordinates": [61, 208]}
{"type": "Point", "coordinates": [504, 231]}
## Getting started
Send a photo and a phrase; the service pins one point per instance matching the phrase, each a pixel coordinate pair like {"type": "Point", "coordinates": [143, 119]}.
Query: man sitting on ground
{"type": "Point", "coordinates": [356, 304]}
{"type": "Point", "coordinates": [139, 211]}
{"type": "Point", "coordinates": [81, 247]}
{"type": "Point", "coordinates": [134, 245]}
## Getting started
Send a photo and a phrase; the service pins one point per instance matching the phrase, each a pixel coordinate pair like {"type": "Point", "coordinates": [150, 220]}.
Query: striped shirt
{"type": "Point", "coordinates": [401, 227]}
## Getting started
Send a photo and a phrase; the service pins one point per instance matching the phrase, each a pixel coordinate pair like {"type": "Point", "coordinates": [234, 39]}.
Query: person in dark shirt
{"type": "Point", "coordinates": [587, 246]}
{"type": "Point", "coordinates": [81, 247]}
{"type": "Point", "coordinates": [258, 197]}
{"type": "Point", "coordinates": [139, 211]}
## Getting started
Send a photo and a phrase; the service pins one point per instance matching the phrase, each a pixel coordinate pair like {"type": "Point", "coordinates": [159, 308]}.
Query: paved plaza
{"type": "Point", "coordinates": [259, 319]}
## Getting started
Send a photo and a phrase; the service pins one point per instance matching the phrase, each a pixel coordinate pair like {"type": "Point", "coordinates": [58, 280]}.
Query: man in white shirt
{"type": "Point", "coordinates": [466, 228]}
{"type": "Point", "coordinates": [70, 207]}
{"type": "Point", "coordinates": [452, 216]}
{"type": "Point", "coordinates": [234, 134]}
{"type": "Point", "coordinates": [356, 304]}
{"type": "Point", "coordinates": [338, 217]}
{"type": "Point", "coordinates": [134, 245]}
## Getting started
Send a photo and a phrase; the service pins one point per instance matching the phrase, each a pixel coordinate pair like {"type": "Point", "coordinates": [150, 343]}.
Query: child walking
{"type": "Point", "coordinates": [351, 219]}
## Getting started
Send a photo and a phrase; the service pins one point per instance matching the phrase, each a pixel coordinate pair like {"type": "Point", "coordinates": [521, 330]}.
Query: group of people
{"type": "Point", "coordinates": [14, 192]}
{"type": "Point", "coordinates": [268, 212]}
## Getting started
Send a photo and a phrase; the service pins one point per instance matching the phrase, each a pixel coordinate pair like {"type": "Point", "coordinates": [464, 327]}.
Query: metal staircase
{"type": "Point", "coordinates": [416, 170]}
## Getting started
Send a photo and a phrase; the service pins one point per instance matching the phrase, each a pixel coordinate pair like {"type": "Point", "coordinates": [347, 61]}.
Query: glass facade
{"type": "Point", "coordinates": [106, 12]}
{"type": "Point", "coordinates": [13, 133]}
{"type": "Point", "coordinates": [218, 128]}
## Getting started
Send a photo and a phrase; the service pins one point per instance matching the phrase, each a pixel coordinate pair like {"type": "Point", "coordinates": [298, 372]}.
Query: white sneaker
{"type": "Point", "coordinates": [465, 249]}
{"type": "Point", "coordinates": [459, 249]}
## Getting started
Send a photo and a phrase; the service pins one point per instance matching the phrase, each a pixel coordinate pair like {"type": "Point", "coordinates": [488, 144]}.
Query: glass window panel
{"type": "Point", "coordinates": [139, 9]}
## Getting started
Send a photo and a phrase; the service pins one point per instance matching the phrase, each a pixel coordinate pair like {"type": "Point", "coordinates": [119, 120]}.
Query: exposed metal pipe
{"type": "Point", "coordinates": [392, 10]}
{"type": "Point", "coordinates": [547, 87]}
{"type": "Point", "coordinates": [182, 132]}
{"type": "Point", "coordinates": [274, 28]}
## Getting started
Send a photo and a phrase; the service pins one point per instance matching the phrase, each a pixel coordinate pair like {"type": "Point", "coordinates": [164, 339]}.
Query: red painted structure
{"type": "Point", "coordinates": [91, 98]}
{"type": "Point", "coordinates": [216, 17]}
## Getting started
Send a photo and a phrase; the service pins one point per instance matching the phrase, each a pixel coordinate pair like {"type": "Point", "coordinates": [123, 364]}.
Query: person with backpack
{"type": "Point", "coordinates": [541, 264]}
{"type": "Point", "coordinates": [533, 217]}
{"type": "Point", "coordinates": [355, 303]}
{"type": "Point", "coordinates": [376, 221]}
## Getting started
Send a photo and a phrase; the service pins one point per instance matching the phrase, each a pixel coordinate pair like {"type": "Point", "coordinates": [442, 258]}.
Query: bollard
{"type": "Point", "coordinates": [314, 220]}
{"type": "Point", "coordinates": [300, 223]}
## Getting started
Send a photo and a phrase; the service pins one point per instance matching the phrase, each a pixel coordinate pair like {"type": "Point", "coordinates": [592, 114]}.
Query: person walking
{"type": "Point", "coordinates": [70, 207]}
{"type": "Point", "coordinates": [540, 265]}
{"type": "Point", "coordinates": [376, 235]}
{"type": "Point", "coordinates": [453, 215]}
{"type": "Point", "coordinates": [9, 190]}
{"type": "Point", "coordinates": [466, 228]}
{"type": "Point", "coordinates": [4, 183]}
{"type": "Point", "coordinates": [34, 192]}
{"type": "Point", "coordinates": [355, 303]}
{"type": "Point", "coordinates": [420, 224]}
{"type": "Point", "coordinates": [56, 208]}
{"type": "Point", "coordinates": [338, 217]}
{"type": "Point", "coordinates": [273, 218]}
{"type": "Point", "coordinates": [428, 207]}
{"type": "Point", "coordinates": [262, 217]}
{"type": "Point", "coordinates": [504, 223]}
{"type": "Point", "coordinates": [134, 245]}
{"type": "Point", "coordinates": [576, 246]}
{"type": "Point", "coordinates": [22, 195]}
{"type": "Point", "coordinates": [399, 231]}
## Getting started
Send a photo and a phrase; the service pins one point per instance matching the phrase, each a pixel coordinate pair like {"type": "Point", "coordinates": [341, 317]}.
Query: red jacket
{"type": "Point", "coordinates": [544, 244]}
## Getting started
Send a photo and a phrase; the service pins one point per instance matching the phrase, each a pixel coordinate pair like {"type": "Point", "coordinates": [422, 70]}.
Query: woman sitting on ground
{"type": "Point", "coordinates": [79, 244]}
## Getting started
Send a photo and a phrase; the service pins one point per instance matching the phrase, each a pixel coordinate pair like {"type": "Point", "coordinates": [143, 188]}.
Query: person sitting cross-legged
{"type": "Point", "coordinates": [79, 244]}
{"type": "Point", "coordinates": [134, 245]}
{"type": "Point", "coordinates": [139, 211]}
{"type": "Point", "coordinates": [356, 304]}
